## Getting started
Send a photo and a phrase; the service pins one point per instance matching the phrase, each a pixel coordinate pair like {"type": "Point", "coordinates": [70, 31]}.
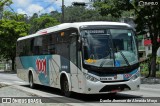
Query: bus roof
{"type": "Point", "coordinates": [71, 25]}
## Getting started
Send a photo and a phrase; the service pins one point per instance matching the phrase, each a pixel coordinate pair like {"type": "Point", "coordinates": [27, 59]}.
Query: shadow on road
{"type": "Point", "coordinates": [86, 97]}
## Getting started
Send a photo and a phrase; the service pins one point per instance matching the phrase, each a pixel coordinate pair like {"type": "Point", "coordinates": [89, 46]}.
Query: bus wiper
{"type": "Point", "coordinates": [124, 57]}
{"type": "Point", "coordinates": [110, 53]}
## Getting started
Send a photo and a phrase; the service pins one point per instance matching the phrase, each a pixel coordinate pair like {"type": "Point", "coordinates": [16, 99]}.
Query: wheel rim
{"type": "Point", "coordinates": [31, 81]}
{"type": "Point", "coordinates": [66, 87]}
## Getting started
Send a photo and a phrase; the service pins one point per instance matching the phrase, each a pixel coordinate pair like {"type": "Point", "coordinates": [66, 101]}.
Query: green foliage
{"type": "Point", "coordinates": [144, 67]}
{"type": "Point", "coordinates": [10, 31]}
{"type": "Point", "coordinates": [42, 22]}
{"type": "Point", "coordinates": [56, 15]}
{"type": "Point", "coordinates": [158, 60]}
{"type": "Point", "coordinates": [5, 2]}
{"type": "Point", "coordinates": [2, 4]}
{"type": "Point", "coordinates": [146, 17]}
{"type": "Point", "coordinates": [144, 70]}
{"type": "Point", "coordinates": [113, 7]}
{"type": "Point", "coordinates": [14, 16]}
{"type": "Point", "coordinates": [81, 14]}
{"type": "Point", "coordinates": [149, 56]}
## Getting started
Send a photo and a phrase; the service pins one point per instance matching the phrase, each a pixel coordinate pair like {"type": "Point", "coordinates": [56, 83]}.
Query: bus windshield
{"type": "Point", "coordinates": [109, 47]}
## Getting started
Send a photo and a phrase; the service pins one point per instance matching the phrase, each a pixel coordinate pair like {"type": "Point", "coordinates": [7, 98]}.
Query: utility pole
{"type": "Point", "coordinates": [62, 11]}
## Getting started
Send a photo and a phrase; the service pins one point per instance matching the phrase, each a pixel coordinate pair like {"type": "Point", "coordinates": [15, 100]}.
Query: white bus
{"type": "Point", "coordinates": [82, 57]}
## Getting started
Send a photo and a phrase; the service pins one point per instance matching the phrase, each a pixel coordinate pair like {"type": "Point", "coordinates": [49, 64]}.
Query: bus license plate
{"type": "Point", "coordinates": [107, 79]}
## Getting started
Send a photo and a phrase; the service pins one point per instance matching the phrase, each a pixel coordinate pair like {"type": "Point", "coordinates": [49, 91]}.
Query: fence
{"type": "Point", "coordinates": [5, 66]}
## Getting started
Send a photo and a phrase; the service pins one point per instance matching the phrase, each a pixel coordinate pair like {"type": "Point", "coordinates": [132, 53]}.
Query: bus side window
{"type": "Point", "coordinates": [31, 46]}
{"type": "Point", "coordinates": [22, 48]}
{"type": "Point", "coordinates": [19, 49]}
{"type": "Point", "coordinates": [37, 45]}
{"type": "Point", "coordinates": [45, 44]}
{"type": "Point", "coordinates": [52, 43]}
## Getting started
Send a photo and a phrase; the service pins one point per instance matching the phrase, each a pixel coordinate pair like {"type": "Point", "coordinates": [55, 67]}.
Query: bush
{"type": "Point", "coordinates": [144, 67]}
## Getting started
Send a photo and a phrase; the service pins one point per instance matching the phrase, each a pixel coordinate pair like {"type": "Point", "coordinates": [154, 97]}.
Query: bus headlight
{"type": "Point", "coordinates": [90, 78]}
{"type": "Point", "coordinates": [135, 76]}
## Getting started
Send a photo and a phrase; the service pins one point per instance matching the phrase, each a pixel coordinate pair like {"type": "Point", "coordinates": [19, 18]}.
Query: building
{"type": "Point", "coordinates": [144, 41]}
{"type": "Point", "coordinates": [145, 46]}
{"type": "Point", "coordinates": [141, 47]}
{"type": "Point", "coordinates": [148, 45]}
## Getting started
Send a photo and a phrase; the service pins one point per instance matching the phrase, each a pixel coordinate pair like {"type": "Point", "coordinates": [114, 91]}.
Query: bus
{"type": "Point", "coordinates": [82, 57]}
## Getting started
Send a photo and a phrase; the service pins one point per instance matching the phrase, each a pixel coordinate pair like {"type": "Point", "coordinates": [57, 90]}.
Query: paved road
{"type": "Point", "coordinates": [17, 85]}
{"type": "Point", "coordinates": [8, 78]}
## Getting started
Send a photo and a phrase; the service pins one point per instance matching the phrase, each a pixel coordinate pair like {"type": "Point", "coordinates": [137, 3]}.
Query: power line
{"type": "Point", "coordinates": [46, 6]}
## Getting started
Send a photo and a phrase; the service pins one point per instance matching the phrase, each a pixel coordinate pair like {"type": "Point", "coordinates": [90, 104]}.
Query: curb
{"type": "Point", "coordinates": [150, 80]}
{"type": "Point", "coordinates": [8, 72]}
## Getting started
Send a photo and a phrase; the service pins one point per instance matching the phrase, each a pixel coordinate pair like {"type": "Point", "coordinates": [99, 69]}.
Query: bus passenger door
{"type": "Point", "coordinates": [73, 64]}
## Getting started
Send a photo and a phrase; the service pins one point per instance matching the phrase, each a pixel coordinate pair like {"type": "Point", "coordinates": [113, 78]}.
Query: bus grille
{"type": "Point", "coordinates": [120, 87]}
{"type": "Point", "coordinates": [113, 81]}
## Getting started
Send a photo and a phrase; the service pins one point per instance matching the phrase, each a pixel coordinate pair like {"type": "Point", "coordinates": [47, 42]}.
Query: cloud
{"type": "Point", "coordinates": [50, 9]}
{"type": "Point", "coordinates": [34, 8]}
{"type": "Point", "coordinates": [66, 2]}
{"type": "Point", "coordinates": [22, 3]}
{"type": "Point", "coordinates": [21, 11]}
{"type": "Point", "coordinates": [30, 7]}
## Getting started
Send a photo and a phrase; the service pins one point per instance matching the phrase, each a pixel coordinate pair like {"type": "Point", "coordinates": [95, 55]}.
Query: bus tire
{"type": "Point", "coordinates": [113, 94]}
{"type": "Point", "coordinates": [65, 87]}
{"type": "Point", "coordinates": [31, 83]}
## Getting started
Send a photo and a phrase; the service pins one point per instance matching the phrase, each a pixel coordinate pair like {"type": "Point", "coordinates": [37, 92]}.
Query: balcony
{"type": "Point", "coordinates": [141, 48]}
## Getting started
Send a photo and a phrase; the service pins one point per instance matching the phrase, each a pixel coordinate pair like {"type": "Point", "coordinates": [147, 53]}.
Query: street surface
{"type": "Point", "coordinates": [12, 86]}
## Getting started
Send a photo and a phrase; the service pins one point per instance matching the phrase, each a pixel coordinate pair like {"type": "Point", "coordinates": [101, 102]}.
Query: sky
{"type": "Point", "coordinates": [30, 7]}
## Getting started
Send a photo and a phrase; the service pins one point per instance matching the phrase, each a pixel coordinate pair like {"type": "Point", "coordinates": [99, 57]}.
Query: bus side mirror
{"type": "Point", "coordinates": [73, 35]}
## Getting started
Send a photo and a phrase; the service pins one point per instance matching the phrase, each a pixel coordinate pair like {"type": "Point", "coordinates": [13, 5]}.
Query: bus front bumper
{"type": "Point", "coordinates": [100, 87]}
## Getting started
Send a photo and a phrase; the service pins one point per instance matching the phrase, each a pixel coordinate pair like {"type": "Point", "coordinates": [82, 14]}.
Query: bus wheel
{"type": "Point", "coordinates": [65, 87]}
{"type": "Point", "coordinates": [31, 83]}
{"type": "Point", "coordinates": [113, 94]}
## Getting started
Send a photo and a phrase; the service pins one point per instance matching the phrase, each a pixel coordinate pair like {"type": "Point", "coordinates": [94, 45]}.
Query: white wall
{"type": "Point", "coordinates": [149, 51]}
{"type": "Point", "coordinates": [158, 52]}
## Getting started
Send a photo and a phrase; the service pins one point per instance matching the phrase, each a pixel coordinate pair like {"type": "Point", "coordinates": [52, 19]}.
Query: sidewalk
{"type": "Point", "coordinates": [7, 91]}
{"type": "Point", "coordinates": [9, 72]}
{"type": "Point", "coordinates": [150, 80]}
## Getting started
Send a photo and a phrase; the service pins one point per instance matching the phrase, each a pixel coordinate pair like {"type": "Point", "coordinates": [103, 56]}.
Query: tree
{"type": "Point", "coordinates": [82, 14]}
{"type": "Point", "coordinates": [115, 8]}
{"type": "Point", "coordinates": [5, 2]}
{"type": "Point", "coordinates": [2, 4]}
{"type": "Point", "coordinates": [56, 15]}
{"type": "Point", "coordinates": [12, 27]}
{"type": "Point", "coordinates": [41, 22]}
{"type": "Point", "coordinates": [35, 15]}
{"type": "Point", "coordinates": [147, 15]}
{"type": "Point", "coordinates": [10, 31]}
{"type": "Point", "coordinates": [14, 16]}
